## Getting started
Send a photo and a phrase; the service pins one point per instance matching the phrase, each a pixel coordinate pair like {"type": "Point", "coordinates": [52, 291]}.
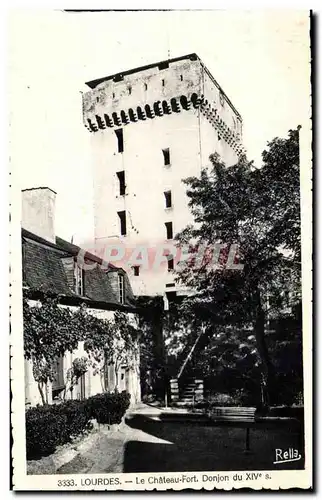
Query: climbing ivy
{"type": "Point", "coordinates": [51, 330]}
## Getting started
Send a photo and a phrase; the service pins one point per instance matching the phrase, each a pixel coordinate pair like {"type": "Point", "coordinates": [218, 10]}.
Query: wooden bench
{"type": "Point", "coordinates": [235, 416]}
{"type": "Point", "coordinates": [245, 417]}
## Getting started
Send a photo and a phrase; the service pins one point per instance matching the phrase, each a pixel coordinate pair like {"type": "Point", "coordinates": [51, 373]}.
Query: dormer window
{"type": "Point", "coordinates": [78, 280]}
{"type": "Point", "coordinates": [121, 289]}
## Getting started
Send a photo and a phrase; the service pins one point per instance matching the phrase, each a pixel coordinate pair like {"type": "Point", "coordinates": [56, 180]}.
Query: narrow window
{"type": "Point", "coordinates": [169, 230]}
{"type": "Point", "coordinates": [78, 280]}
{"type": "Point", "coordinates": [166, 156]}
{"type": "Point", "coordinates": [113, 95]}
{"type": "Point", "coordinates": [58, 368]}
{"type": "Point", "coordinates": [121, 178]}
{"type": "Point", "coordinates": [181, 77]}
{"type": "Point", "coordinates": [82, 386]}
{"type": "Point", "coordinates": [120, 141]}
{"type": "Point", "coordinates": [162, 82]}
{"type": "Point", "coordinates": [145, 86]}
{"type": "Point", "coordinates": [170, 263]}
{"type": "Point", "coordinates": [168, 199]}
{"type": "Point", "coordinates": [130, 90]}
{"type": "Point", "coordinates": [122, 218]}
{"type": "Point", "coordinates": [136, 270]}
{"type": "Point", "coordinates": [121, 288]}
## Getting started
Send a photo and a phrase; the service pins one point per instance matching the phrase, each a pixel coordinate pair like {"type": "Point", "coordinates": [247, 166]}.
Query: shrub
{"type": "Point", "coordinates": [45, 430]}
{"type": "Point", "coordinates": [109, 408]}
{"type": "Point", "coordinates": [52, 425]}
{"type": "Point", "coordinates": [77, 418]}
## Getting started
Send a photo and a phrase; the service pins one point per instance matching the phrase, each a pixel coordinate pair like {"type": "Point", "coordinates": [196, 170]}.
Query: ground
{"type": "Point", "coordinates": [146, 445]}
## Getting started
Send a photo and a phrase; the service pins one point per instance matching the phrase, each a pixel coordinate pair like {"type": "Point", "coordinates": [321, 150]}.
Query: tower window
{"type": "Point", "coordinates": [145, 86]}
{"type": "Point", "coordinates": [120, 140]}
{"type": "Point", "coordinates": [162, 82]}
{"type": "Point", "coordinates": [121, 178]}
{"type": "Point", "coordinates": [136, 270]}
{"type": "Point", "coordinates": [130, 90]}
{"type": "Point", "coordinates": [170, 262]}
{"type": "Point", "coordinates": [169, 229]}
{"type": "Point", "coordinates": [122, 218]}
{"type": "Point", "coordinates": [121, 288]}
{"type": "Point", "coordinates": [181, 77]}
{"type": "Point", "coordinates": [166, 156]}
{"type": "Point", "coordinates": [168, 199]}
{"type": "Point", "coordinates": [113, 95]}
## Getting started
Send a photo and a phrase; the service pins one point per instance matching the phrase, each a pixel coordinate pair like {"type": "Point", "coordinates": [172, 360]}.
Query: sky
{"type": "Point", "coordinates": [259, 57]}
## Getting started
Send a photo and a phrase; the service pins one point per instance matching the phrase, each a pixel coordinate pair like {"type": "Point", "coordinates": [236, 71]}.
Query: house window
{"type": "Point", "coordinates": [166, 156]}
{"type": "Point", "coordinates": [122, 218]}
{"type": "Point", "coordinates": [82, 386]}
{"type": "Point", "coordinates": [136, 270]}
{"type": "Point", "coordinates": [170, 263]}
{"type": "Point", "coordinates": [58, 383]}
{"type": "Point", "coordinates": [78, 280]}
{"type": "Point", "coordinates": [120, 140]}
{"type": "Point", "coordinates": [121, 288]}
{"type": "Point", "coordinates": [168, 199]}
{"type": "Point", "coordinates": [169, 229]}
{"type": "Point", "coordinates": [121, 178]}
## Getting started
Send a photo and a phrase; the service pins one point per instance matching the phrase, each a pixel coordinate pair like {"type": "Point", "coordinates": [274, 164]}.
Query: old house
{"type": "Point", "coordinates": [51, 264]}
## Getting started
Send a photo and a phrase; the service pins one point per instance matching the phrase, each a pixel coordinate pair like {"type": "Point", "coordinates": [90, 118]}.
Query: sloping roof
{"type": "Point", "coordinates": [98, 287]}
{"type": "Point", "coordinates": [93, 83]}
{"type": "Point", "coordinates": [44, 271]}
{"type": "Point", "coordinates": [74, 250]}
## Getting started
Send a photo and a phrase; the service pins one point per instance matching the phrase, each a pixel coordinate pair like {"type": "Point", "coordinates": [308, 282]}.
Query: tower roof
{"type": "Point", "coordinates": [161, 64]}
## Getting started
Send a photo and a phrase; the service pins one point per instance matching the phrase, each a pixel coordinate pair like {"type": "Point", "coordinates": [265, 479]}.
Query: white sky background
{"type": "Point", "coordinates": [260, 58]}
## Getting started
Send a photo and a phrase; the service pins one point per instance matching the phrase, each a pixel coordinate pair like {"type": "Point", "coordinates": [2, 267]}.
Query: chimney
{"type": "Point", "coordinates": [38, 212]}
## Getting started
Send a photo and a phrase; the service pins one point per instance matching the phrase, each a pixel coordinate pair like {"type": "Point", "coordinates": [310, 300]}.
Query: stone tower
{"type": "Point", "coordinates": [150, 128]}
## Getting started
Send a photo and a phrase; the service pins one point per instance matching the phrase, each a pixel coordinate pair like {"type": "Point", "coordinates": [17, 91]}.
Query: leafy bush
{"type": "Point", "coordinates": [49, 426]}
{"type": "Point", "coordinates": [109, 408]}
{"type": "Point", "coordinates": [45, 430]}
{"type": "Point", "coordinates": [78, 418]}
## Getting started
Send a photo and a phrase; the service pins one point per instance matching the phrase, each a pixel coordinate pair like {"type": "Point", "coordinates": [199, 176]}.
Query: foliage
{"type": "Point", "coordinates": [79, 367]}
{"type": "Point", "coordinates": [259, 209]}
{"type": "Point", "coordinates": [109, 408]}
{"type": "Point", "coordinates": [51, 330]}
{"type": "Point", "coordinates": [152, 353]}
{"type": "Point", "coordinates": [49, 426]}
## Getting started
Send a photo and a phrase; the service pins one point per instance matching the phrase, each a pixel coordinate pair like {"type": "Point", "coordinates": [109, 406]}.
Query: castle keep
{"type": "Point", "coordinates": [150, 128]}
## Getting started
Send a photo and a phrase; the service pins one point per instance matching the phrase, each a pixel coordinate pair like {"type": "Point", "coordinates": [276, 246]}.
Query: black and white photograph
{"type": "Point", "coordinates": [161, 243]}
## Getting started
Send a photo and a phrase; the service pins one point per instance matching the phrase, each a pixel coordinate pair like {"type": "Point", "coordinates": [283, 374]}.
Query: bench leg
{"type": "Point", "coordinates": [247, 449]}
